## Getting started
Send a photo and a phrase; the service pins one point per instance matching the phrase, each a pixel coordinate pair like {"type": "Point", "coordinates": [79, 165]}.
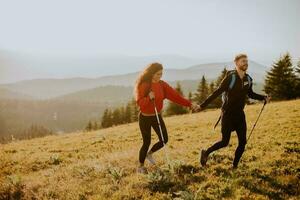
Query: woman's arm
{"type": "Point", "coordinates": [174, 96]}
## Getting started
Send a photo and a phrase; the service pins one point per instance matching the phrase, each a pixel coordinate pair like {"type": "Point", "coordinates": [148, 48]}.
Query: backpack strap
{"type": "Point", "coordinates": [249, 79]}
{"type": "Point", "coordinates": [232, 80]}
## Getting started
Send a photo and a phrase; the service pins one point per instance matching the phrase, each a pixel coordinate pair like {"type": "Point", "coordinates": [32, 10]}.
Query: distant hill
{"type": "Point", "coordinates": [115, 95]}
{"type": "Point", "coordinates": [50, 88]}
{"type": "Point", "coordinates": [210, 70]}
{"type": "Point", "coordinates": [107, 95]}
{"type": "Point", "coordinates": [16, 66]}
{"type": "Point", "coordinates": [57, 115]}
{"type": "Point", "coordinates": [7, 94]}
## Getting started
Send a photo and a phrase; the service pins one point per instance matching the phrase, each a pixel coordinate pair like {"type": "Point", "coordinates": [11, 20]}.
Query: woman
{"type": "Point", "coordinates": [149, 89]}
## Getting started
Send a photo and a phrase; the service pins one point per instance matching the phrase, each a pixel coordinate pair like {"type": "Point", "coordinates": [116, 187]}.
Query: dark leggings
{"type": "Point", "coordinates": [145, 123]}
{"type": "Point", "coordinates": [231, 122]}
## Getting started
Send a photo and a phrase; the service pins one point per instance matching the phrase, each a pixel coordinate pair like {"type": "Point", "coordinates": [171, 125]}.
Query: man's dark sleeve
{"type": "Point", "coordinates": [223, 87]}
{"type": "Point", "coordinates": [254, 95]}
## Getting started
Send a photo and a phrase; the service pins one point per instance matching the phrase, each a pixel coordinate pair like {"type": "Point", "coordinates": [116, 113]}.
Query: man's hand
{"type": "Point", "coordinates": [151, 95]}
{"type": "Point", "coordinates": [267, 99]}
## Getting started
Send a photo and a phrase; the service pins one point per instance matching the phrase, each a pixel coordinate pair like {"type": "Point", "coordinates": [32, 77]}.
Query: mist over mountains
{"type": "Point", "coordinates": [16, 66]}
{"type": "Point", "coordinates": [80, 70]}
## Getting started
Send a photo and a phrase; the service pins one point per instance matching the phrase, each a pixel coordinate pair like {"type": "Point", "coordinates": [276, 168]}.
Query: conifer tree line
{"type": "Point", "coordinates": [282, 82]}
{"type": "Point", "coordinates": [115, 116]}
{"type": "Point", "coordinates": [33, 131]}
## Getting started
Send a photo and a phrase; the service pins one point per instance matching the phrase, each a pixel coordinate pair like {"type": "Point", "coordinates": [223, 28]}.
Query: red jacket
{"type": "Point", "coordinates": [162, 90]}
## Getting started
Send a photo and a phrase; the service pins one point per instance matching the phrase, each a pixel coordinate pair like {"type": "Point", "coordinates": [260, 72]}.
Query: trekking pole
{"type": "Point", "coordinates": [265, 102]}
{"type": "Point", "coordinates": [161, 134]}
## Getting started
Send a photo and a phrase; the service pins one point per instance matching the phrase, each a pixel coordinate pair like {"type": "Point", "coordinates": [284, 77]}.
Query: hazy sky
{"type": "Point", "coordinates": [211, 29]}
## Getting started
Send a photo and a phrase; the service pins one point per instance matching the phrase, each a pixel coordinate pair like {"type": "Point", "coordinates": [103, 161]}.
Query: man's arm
{"type": "Point", "coordinates": [223, 87]}
{"type": "Point", "coordinates": [254, 95]}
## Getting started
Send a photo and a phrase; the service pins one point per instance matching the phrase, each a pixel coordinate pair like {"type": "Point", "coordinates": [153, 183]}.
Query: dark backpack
{"type": "Point", "coordinates": [231, 85]}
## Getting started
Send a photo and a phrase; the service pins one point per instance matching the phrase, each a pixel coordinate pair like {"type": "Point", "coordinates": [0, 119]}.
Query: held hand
{"type": "Point", "coordinates": [151, 95]}
{"type": "Point", "coordinates": [199, 108]}
{"type": "Point", "coordinates": [195, 107]}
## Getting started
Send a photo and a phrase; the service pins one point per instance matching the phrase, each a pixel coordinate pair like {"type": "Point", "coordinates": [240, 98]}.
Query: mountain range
{"type": "Point", "coordinates": [53, 88]}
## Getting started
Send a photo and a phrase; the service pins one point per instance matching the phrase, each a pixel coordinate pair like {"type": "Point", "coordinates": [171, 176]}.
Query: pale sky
{"type": "Point", "coordinates": [211, 29]}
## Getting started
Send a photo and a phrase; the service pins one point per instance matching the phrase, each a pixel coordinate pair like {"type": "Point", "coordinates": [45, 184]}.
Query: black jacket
{"type": "Point", "coordinates": [234, 99]}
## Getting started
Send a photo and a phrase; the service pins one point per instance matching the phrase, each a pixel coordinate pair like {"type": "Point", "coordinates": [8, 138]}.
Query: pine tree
{"type": "Point", "coordinates": [34, 131]}
{"type": "Point", "coordinates": [280, 80]}
{"type": "Point", "coordinates": [110, 118]}
{"type": "Point", "coordinates": [127, 114]}
{"type": "Point", "coordinates": [122, 115]}
{"type": "Point", "coordinates": [134, 110]}
{"type": "Point", "coordinates": [89, 126]}
{"type": "Point", "coordinates": [202, 91]}
{"type": "Point", "coordinates": [116, 116]}
{"type": "Point", "coordinates": [95, 126]}
{"type": "Point", "coordinates": [104, 118]}
{"type": "Point", "coordinates": [211, 89]}
{"type": "Point", "coordinates": [173, 108]}
{"type": "Point", "coordinates": [298, 79]}
{"type": "Point", "coordinates": [221, 76]}
{"type": "Point", "coordinates": [298, 69]}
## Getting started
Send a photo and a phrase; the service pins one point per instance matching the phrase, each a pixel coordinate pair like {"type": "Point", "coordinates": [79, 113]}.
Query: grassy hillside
{"type": "Point", "coordinates": [102, 164]}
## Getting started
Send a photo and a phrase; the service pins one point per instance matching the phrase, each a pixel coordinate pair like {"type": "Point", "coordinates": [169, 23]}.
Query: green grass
{"type": "Point", "coordinates": [102, 164]}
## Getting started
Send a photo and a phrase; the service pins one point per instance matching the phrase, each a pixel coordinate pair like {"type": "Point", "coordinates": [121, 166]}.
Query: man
{"type": "Point", "coordinates": [236, 85]}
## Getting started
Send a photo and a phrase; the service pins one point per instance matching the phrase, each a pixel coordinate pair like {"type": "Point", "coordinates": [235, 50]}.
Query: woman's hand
{"type": "Point", "coordinates": [151, 95]}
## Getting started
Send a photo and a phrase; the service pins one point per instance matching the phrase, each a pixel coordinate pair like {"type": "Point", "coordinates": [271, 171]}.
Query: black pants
{"type": "Point", "coordinates": [145, 123]}
{"type": "Point", "coordinates": [232, 122]}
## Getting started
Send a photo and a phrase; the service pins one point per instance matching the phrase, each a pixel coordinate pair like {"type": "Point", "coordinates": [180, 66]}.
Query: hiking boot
{"type": "Point", "coordinates": [150, 158]}
{"type": "Point", "coordinates": [142, 170]}
{"type": "Point", "coordinates": [203, 158]}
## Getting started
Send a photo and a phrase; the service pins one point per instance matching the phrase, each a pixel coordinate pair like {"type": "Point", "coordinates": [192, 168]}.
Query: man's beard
{"type": "Point", "coordinates": [244, 68]}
